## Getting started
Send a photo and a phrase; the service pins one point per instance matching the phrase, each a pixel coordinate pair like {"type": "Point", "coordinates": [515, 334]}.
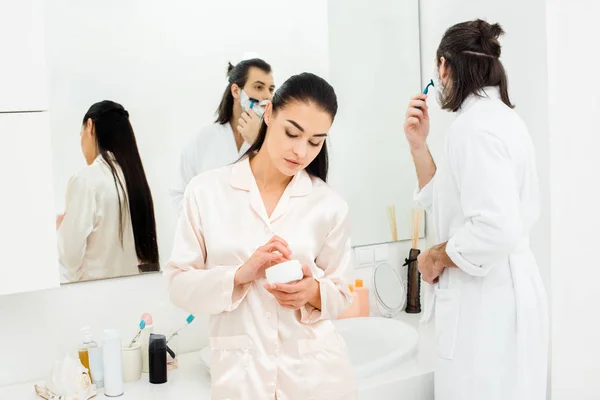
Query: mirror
{"type": "Point", "coordinates": [375, 67]}
{"type": "Point", "coordinates": [389, 290]}
{"type": "Point", "coordinates": [167, 68]}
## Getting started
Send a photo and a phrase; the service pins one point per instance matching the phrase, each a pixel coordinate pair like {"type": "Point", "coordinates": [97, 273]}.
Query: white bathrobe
{"type": "Point", "coordinates": [491, 312]}
{"type": "Point", "coordinates": [212, 147]}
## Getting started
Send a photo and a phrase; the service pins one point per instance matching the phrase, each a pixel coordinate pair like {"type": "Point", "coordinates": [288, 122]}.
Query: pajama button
{"type": "Point", "coordinates": [268, 315]}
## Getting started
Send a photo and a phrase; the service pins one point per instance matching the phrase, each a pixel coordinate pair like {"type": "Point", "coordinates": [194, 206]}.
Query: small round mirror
{"type": "Point", "coordinates": [389, 290]}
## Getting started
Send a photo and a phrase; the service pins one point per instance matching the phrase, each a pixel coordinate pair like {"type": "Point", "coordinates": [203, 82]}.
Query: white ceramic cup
{"type": "Point", "coordinates": [132, 362]}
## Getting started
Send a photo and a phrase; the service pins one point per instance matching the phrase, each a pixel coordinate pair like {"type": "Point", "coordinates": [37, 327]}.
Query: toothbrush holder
{"type": "Point", "coordinates": [132, 362]}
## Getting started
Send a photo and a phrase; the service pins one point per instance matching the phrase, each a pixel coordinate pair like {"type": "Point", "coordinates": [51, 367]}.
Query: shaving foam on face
{"type": "Point", "coordinates": [251, 103]}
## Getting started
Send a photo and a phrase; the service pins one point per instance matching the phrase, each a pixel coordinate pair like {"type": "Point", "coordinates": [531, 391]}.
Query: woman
{"type": "Point", "coordinates": [108, 228]}
{"type": "Point", "coordinates": [490, 304]}
{"type": "Point", "coordinates": [273, 205]}
{"type": "Point", "coordinates": [234, 130]}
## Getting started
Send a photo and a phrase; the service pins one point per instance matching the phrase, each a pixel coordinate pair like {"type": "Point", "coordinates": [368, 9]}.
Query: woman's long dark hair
{"type": "Point", "coordinates": [115, 138]}
{"type": "Point", "coordinates": [239, 76]}
{"type": "Point", "coordinates": [303, 88]}
{"type": "Point", "coordinates": [472, 52]}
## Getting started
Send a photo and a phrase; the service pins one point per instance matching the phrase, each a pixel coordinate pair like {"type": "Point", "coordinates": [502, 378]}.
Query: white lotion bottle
{"type": "Point", "coordinates": [113, 365]}
{"type": "Point", "coordinates": [144, 342]}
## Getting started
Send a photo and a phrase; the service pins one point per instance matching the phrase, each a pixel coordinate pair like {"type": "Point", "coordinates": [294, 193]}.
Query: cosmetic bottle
{"type": "Point", "coordinates": [354, 309]}
{"type": "Point", "coordinates": [84, 349]}
{"type": "Point", "coordinates": [113, 364]}
{"type": "Point", "coordinates": [157, 358]}
{"type": "Point", "coordinates": [363, 298]}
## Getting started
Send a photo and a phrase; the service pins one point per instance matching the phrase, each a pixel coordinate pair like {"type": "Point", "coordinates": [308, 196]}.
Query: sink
{"type": "Point", "coordinates": [375, 344]}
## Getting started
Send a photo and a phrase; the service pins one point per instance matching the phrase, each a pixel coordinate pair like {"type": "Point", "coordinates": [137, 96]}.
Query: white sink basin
{"type": "Point", "coordinates": [375, 344]}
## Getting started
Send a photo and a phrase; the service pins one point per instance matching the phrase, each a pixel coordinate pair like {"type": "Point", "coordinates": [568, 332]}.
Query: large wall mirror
{"type": "Point", "coordinates": [166, 65]}
{"type": "Point", "coordinates": [374, 59]}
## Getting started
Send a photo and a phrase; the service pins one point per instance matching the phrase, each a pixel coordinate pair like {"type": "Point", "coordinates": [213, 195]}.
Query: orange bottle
{"type": "Point", "coordinates": [354, 309]}
{"type": "Point", "coordinates": [363, 298]}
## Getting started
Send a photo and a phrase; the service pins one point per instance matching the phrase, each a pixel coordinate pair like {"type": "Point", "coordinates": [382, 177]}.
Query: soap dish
{"type": "Point", "coordinates": [285, 272]}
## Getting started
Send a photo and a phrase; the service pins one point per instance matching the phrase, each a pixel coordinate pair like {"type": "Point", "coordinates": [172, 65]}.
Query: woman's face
{"type": "Point", "coordinates": [295, 135]}
{"type": "Point", "coordinates": [88, 142]}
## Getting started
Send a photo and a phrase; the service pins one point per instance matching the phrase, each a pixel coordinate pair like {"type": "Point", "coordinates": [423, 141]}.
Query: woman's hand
{"type": "Point", "coordinates": [296, 295]}
{"type": "Point", "coordinates": [416, 126]}
{"type": "Point", "coordinates": [274, 252]}
{"type": "Point", "coordinates": [249, 125]}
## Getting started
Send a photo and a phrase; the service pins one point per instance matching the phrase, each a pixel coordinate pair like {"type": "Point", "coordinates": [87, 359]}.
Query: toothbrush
{"type": "Point", "coordinates": [142, 325]}
{"type": "Point", "coordinates": [188, 321]}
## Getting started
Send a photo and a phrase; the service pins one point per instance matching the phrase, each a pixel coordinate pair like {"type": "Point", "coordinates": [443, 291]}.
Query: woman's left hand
{"type": "Point", "coordinates": [296, 295]}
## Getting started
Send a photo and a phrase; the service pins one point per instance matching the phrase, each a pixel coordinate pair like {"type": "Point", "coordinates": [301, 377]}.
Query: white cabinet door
{"type": "Point", "coordinates": [23, 79]}
{"type": "Point", "coordinates": [28, 254]}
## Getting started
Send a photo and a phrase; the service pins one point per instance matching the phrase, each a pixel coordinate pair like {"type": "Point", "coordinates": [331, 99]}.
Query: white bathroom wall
{"type": "Point", "coordinates": [524, 57]}
{"type": "Point", "coordinates": [573, 60]}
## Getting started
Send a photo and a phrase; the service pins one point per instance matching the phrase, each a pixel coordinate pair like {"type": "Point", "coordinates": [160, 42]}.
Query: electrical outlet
{"type": "Point", "coordinates": [364, 256]}
{"type": "Point", "coordinates": [381, 253]}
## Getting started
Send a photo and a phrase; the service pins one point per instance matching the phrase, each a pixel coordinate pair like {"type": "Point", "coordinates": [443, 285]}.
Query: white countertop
{"type": "Point", "coordinates": [191, 380]}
